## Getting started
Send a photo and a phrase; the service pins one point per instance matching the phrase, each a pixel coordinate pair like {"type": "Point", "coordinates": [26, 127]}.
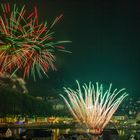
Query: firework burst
{"type": "Point", "coordinates": [92, 105]}
{"type": "Point", "coordinates": [26, 44]}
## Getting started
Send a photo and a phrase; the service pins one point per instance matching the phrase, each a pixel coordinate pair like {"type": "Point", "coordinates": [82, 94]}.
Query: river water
{"type": "Point", "coordinates": [57, 133]}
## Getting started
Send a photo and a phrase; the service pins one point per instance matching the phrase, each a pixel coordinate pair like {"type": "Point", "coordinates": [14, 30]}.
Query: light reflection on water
{"type": "Point", "coordinates": [123, 134]}
{"type": "Point", "coordinates": [58, 132]}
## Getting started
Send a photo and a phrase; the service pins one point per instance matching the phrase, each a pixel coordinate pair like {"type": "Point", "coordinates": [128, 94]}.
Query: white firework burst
{"type": "Point", "coordinates": [92, 105]}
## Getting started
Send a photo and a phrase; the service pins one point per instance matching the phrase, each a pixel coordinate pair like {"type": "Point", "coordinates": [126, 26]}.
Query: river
{"type": "Point", "coordinates": [123, 134]}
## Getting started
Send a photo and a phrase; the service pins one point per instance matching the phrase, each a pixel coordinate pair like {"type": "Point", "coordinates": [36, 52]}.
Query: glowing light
{"type": "Point", "coordinates": [92, 105]}
{"type": "Point", "coordinates": [26, 44]}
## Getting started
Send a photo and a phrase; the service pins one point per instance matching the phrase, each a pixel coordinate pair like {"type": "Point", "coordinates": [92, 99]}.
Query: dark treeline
{"type": "Point", "coordinates": [12, 103]}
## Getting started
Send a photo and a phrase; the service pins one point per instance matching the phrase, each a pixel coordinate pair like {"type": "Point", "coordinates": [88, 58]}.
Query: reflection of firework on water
{"type": "Point", "coordinates": [26, 44]}
{"type": "Point", "coordinates": [92, 105]}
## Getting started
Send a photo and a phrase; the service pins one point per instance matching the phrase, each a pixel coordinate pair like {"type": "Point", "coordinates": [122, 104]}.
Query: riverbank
{"type": "Point", "coordinates": [57, 125]}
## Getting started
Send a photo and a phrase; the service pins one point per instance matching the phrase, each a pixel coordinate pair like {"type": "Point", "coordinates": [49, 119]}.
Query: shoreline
{"type": "Point", "coordinates": [58, 125]}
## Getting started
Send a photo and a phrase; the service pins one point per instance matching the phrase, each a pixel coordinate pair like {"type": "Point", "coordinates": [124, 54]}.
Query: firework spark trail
{"type": "Point", "coordinates": [92, 105]}
{"type": "Point", "coordinates": [26, 44]}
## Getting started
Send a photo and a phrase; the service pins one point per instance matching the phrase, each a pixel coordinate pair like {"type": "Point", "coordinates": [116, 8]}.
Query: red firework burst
{"type": "Point", "coordinates": [26, 44]}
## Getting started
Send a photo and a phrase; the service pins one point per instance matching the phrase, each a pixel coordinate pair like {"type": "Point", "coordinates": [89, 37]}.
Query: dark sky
{"type": "Point", "coordinates": [105, 44]}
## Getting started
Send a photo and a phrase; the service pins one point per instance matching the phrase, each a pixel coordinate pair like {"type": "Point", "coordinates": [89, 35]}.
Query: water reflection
{"type": "Point", "coordinates": [123, 134]}
{"type": "Point", "coordinates": [58, 132]}
{"type": "Point", "coordinates": [129, 134]}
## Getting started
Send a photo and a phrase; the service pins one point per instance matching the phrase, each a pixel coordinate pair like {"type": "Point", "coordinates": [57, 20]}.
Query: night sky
{"type": "Point", "coordinates": [105, 44]}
